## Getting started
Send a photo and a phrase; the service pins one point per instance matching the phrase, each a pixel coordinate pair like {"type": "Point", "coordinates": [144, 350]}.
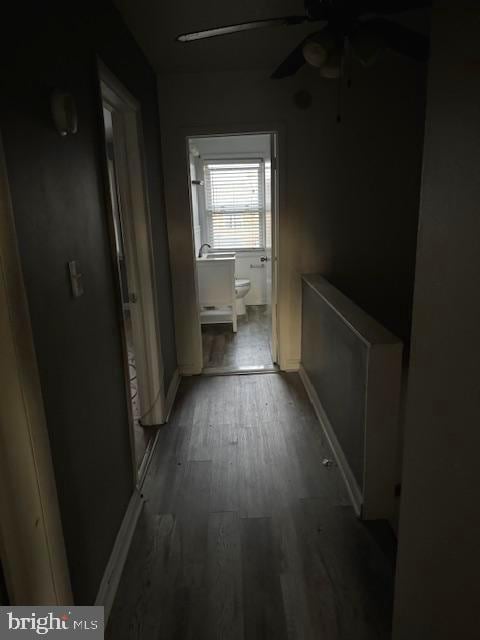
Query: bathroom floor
{"type": "Point", "coordinates": [248, 348]}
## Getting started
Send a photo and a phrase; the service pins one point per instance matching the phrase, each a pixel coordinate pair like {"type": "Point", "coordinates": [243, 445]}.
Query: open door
{"type": "Point", "coordinates": [130, 231]}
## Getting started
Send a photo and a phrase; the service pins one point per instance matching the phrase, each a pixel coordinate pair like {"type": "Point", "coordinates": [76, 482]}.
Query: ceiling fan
{"type": "Point", "coordinates": [357, 26]}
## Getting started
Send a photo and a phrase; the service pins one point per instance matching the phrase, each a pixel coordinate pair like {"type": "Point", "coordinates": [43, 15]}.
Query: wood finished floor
{"type": "Point", "coordinates": [245, 534]}
{"type": "Point", "coordinates": [249, 347]}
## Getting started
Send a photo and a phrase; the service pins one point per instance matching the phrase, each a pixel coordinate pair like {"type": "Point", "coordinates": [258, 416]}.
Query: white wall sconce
{"type": "Point", "coordinates": [64, 112]}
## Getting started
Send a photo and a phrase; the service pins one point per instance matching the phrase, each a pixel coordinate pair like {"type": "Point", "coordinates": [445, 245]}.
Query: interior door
{"type": "Point", "coordinates": [126, 281]}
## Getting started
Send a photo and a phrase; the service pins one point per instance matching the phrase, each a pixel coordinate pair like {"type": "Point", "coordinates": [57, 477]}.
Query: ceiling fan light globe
{"type": "Point", "coordinates": [330, 73]}
{"type": "Point", "coordinates": [315, 53]}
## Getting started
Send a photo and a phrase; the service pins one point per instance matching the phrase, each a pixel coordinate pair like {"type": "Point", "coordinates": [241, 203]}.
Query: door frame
{"type": "Point", "coordinates": [275, 133]}
{"type": "Point", "coordinates": [275, 227]}
{"type": "Point", "coordinates": [139, 256]}
{"type": "Point", "coordinates": [32, 546]}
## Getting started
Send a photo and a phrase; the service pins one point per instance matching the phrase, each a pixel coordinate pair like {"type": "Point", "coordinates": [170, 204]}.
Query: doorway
{"type": "Point", "coordinates": [130, 233]}
{"type": "Point", "coordinates": [233, 192]}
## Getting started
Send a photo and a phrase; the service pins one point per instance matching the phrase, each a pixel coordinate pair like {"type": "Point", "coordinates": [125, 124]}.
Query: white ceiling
{"type": "Point", "coordinates": [155, 23]}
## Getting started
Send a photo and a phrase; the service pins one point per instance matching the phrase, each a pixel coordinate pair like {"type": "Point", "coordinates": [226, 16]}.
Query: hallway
{"type": "Point", "coordinates": [245, 533]}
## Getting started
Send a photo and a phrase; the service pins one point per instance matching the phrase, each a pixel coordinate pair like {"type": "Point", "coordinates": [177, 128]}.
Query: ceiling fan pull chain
{"type": "Point", "coordinates": [340, 85]}
{"type": "Point", "coordinates": [349, 74]}
{"type": "Point", "coordinates": [339, 99]}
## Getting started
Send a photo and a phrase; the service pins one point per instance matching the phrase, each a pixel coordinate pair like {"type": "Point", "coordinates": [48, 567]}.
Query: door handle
{"type": "Point", "coordinates": [264, 259]}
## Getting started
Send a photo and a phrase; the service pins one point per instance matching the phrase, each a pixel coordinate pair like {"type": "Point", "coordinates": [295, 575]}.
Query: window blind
{"type": "Point", "coordinates": [268, 204]}
{"type": "Point", "coordinates": [235, 204]}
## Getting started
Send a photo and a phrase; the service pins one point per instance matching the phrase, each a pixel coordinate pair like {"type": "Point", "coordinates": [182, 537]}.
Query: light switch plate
{"type": "Point", "coordinates": [76, 278]}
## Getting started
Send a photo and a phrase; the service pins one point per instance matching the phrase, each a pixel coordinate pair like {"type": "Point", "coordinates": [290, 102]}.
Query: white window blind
{"type": "Point", "coordinates": [268, 204]}
{"type": "Point", "coordinates": [235, 204]}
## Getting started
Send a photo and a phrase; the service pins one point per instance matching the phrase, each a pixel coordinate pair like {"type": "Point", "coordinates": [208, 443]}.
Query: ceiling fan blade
{"type": "Point", "coordinates": [244, 26]}
{"type": "Point", "coordinates": [398, 38]}
{"type": "Point", "coordinates": [392, 6]}
{"type": "Point", "coordinates": [292, 63]}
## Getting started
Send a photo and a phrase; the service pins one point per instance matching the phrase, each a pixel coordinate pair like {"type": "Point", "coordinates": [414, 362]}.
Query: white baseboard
{"type": "Point", "coordinates": [145, 464]}
{"type": "Point", "coordinates": [113, 572]}
{"type": "Point", "coordinates": [172, 394]}
{"type": "Point", "coordinates": [351, 484]}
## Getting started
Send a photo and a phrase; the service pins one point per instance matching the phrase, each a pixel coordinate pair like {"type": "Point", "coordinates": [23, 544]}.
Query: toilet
{"type": "Point", "coordinates": [242, 287]}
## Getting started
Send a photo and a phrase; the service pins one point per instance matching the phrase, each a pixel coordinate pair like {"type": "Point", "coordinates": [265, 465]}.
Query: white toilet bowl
{"type": "Point", "coordinates": [242, 287]}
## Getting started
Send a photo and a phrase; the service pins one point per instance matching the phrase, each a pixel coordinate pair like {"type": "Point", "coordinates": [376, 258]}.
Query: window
{"type": "Point", "coordinates": [235, 204]}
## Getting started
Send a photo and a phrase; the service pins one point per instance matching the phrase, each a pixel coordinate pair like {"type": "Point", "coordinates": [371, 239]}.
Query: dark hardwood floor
{"type": "Point", "coordinates": [245, 534]}
{"type": "Point", "coordinates": [249, 347]}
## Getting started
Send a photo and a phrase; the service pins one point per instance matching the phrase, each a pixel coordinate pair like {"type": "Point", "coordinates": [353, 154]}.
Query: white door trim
{"type": "Point", "coordinates": [277, 132]}
{"type": "Point", "coordinates": [130, 162]}
{"type": "Point", "coordinates": [275, 199]}
{"type": "Point", "coordinates": [31, 538]}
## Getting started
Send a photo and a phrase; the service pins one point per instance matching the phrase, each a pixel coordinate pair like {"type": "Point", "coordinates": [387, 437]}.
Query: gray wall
{"type": "Point", "coordinates": [59, 202]}
{"type": "Point", "coordinates": [437, 594]}
{"type": "Point", "coordinates": [351, 190]}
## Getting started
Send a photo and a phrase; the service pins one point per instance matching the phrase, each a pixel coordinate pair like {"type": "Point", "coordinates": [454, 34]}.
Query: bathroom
{"type": "Point", "coordinates": [232, 225]}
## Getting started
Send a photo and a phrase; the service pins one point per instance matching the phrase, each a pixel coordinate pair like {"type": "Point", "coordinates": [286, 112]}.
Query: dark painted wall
{"type": "Point", "coordinates": [3, 588]}
{"type": "Point", "coordinates": [371, 189]}
{"type": "Point", "coordinates": [351, 190]}
{"type": "Point", "coordinates": [437, 592]}
{"type": "Point", "coordinates": [59, 202]}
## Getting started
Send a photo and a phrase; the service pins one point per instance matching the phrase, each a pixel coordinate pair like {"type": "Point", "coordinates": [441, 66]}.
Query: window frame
{"type": "Point", "coordinates": [204, 223]}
